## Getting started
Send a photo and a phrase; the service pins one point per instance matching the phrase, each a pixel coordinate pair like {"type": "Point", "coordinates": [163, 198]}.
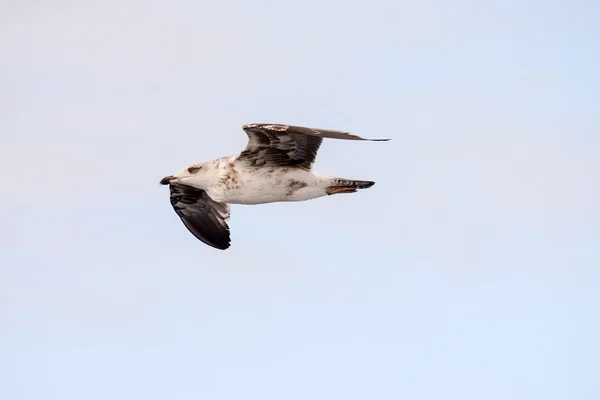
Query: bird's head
{"type": "Point", "coordinates": [196, 175]}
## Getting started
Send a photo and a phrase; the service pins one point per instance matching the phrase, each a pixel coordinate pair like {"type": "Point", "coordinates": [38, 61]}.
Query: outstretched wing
{"type": "Point", "coordinates": [203, 216]}
{"type": "Point", "coordinates": [287, 145]}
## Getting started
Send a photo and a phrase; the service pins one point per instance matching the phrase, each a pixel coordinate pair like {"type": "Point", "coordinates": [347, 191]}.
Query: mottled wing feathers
{"type": "Point", "coordinates": [269, 146]}
{"type": "Point", "coordinates": [202, 216]}
{"type": "Point", "coordinates": [287, 145]}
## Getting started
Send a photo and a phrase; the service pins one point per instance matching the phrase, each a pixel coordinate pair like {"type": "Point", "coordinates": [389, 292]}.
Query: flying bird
{"type": "Point", "coordinates": [275, 166]}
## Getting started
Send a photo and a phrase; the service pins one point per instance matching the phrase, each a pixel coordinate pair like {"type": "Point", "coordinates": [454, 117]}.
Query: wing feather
{"type": "Point", "coordinates": [201, 215]}
{"type": "Point", "coordinates": [287, 145]}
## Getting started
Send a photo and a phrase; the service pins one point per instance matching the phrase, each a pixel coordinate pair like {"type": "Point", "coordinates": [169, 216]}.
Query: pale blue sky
{"type": "Point", "coordinates": [470, 271]}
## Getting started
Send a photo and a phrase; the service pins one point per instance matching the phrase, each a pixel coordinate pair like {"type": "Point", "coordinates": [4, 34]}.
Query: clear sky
{"type": "Point", "coordinates": [470, 270]}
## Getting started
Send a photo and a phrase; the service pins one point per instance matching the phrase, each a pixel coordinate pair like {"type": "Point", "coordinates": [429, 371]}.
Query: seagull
{"type": "Point", "coordinates": [275, 166]}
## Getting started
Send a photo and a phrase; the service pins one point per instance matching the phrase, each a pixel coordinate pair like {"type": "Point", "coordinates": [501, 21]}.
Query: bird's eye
{"type": "Point", "coordinates": [193, 170]}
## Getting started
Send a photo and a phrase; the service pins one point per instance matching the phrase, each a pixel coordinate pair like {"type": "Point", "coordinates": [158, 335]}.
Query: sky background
{"type": "Point", "coordinates": [469, 271]}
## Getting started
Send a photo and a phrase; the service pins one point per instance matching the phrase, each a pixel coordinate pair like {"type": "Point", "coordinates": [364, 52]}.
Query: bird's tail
{"type": "Point", "coordinates": [347, 186]}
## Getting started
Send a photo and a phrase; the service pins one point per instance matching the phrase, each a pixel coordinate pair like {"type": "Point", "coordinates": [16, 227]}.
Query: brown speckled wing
{"type": "Point", "coordinates": [202, 216]}
{"type": "Point", "coordinates": [287, 145]}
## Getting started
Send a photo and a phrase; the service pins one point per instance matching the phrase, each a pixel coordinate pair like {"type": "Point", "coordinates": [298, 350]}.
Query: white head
{"type": "Point", "coordinates": [197, 175]}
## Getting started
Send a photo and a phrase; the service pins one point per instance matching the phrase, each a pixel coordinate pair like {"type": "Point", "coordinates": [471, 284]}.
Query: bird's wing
{"type": "Point", "coordinates": [204, 217]}
{"type": "Point", "coordinates": [287, 145]}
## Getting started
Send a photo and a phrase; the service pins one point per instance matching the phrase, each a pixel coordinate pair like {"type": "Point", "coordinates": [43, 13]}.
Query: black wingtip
{"type": "Point", "coordinates": [220, 246]}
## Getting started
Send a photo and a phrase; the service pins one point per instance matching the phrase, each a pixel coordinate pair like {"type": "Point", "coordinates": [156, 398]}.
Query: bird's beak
{"type": "Point", "coordinates": [166, 180]}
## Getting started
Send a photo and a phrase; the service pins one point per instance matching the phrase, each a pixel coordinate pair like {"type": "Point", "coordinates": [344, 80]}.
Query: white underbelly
{"type": "Point", "coordinates": [275, 186]}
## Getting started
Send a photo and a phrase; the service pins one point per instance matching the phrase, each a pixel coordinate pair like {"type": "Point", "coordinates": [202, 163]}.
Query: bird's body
{"type": "Point", "coordinates": [236, 182]}
{"type": "Point", "coordinates": [276, 166]}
